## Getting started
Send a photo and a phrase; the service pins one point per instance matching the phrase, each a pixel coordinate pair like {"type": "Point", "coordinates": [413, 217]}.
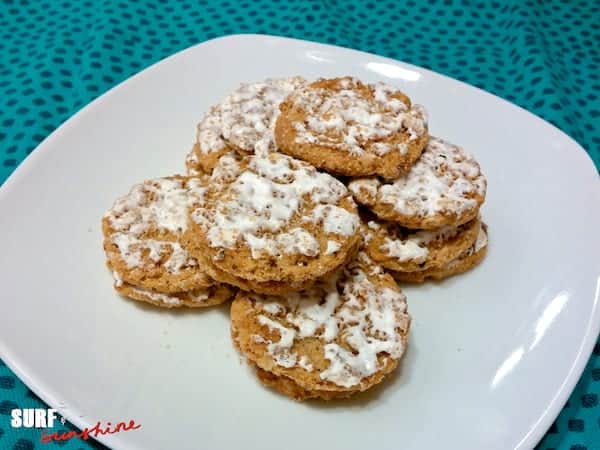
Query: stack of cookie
{"type": "Point", "coordinates": [425, 223]}
{"type": "Point", "coordinates": [268, 213]}
{"type": "Point", "coordinates": [142, 234]}
{"type": "Point", "coordinates": [421, 194]}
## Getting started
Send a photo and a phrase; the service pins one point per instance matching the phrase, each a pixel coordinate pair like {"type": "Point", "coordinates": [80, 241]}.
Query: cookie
{"type": "Point", "coordinates": [444, 187]}
{"type": "Point", "coordinates": [273, 219]}
{"type": "Point", "coordinates": [350, 128]}
{"type": "Point", "coordinates": [397, 248]}
{"type": "Point", "coordinates": [269, 287]}
{"type": "Point", "coordinates": [243, 122]}
{"type": "Point", "coordinates": [142, 232]}
{"type": "Point", "coordinates": [342, 336]}
{"type": "Point", "coordinates": [472, 257]}
{"type": "Point", "coordinates": [197, 298]}
{"type": "Point", "coordinates": [193, 168]}
{"type": "Point", "coordinates": [288, 387]}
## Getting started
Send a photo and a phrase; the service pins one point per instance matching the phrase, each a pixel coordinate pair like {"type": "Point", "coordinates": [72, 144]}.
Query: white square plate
{"type": "Point", "coordinates": [493, 354]}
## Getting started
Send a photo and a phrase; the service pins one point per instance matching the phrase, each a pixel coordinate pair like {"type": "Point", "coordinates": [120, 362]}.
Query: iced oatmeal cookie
{"type": "Point", "coordinates": [398, 248]}
{"type": "Point", "coordinates": [142, 232]}
{"type": "Point", "coordinates": [466, 261]}
{"type": "Point", "coordinates": [339, 337]}
{"type": "Point", "coordinates": [444, 187]}
{"type": "Point", "coordinates": [242, 123]}
{"type": "Point", "coordinates": [350, 128]}
{"type": "Point", "coordinates": [272, 221]}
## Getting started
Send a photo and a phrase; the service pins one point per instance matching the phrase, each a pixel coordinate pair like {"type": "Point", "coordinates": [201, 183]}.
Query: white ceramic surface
{"type": "Point", "coordinates": [493, 354]}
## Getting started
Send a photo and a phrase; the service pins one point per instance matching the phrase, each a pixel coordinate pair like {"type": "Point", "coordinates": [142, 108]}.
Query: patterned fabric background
{"type": "Point", "coordinates": [56, 56]}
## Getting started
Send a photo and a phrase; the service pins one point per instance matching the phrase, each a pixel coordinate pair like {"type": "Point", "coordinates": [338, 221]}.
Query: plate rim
{"type": "Point", "coordinates": [555, 404]}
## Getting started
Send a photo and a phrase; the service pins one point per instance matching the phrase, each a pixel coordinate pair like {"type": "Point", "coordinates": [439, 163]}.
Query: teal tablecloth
{"type": "Point", "coordinates": [56, 56]}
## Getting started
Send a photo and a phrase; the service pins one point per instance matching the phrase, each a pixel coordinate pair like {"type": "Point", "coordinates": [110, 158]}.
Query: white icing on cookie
{"type": "Point", "coordinates": [404, 250]}
{"type": "Point", "coordinates": [246, 118]}
{"type": "Point", "coordinates": [131, 250]}
{"type": "Point", "coordinates": [412, 246]}
{"type": "Point", "coordinates": [480, 242]}
{"type": "Point", "coordinates": [209, 134]}
{"type": "Point", "coordinates": [154, 206]}
{"type": "Point", "coordinates": [280, 349]}
{"type": "Point", "coordinates": [335, 220]}
{"type": "Point", "coordinates": [443, 180]}
{"type": "Point", "coordinates": [347, 120]}
{"type": "Point", "coordinates": [365, 189]}
{"type": "Point", "coordinates": [227, 169]}
{"type": "Point", "coordinates": [348, 307]}
{"type": "Point", "coordinates": [200, 296]}
{"type": "Point", "coordinates": [157, 296]}
{"type": "Point", "coordinates": [272, 307]}
{"type": "Point", "coordinates": [161, 203]}
{"type": "Point", "coordinates": [194, 297]}
{"type": "Point", "coordinates": [305, 363]}
{"type": "Point", "coordinates": [264, 197]}
{"type": "Point", "coordinates": [332, 247]}
{"type": "Point", "coordinates": [297, 241]}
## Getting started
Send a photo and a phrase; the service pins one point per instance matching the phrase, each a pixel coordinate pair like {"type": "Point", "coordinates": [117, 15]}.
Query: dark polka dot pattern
{"type": "Point", "coordinates": [56, 57]}
{"type": "Point", "coordinates": [540, 55]}
{"type": "Point", "coordinates": [24, 444]}
{"type": "Point", "coordinates": [7, 382]}
{"type": "Point", "coordinates": [6, 406]}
